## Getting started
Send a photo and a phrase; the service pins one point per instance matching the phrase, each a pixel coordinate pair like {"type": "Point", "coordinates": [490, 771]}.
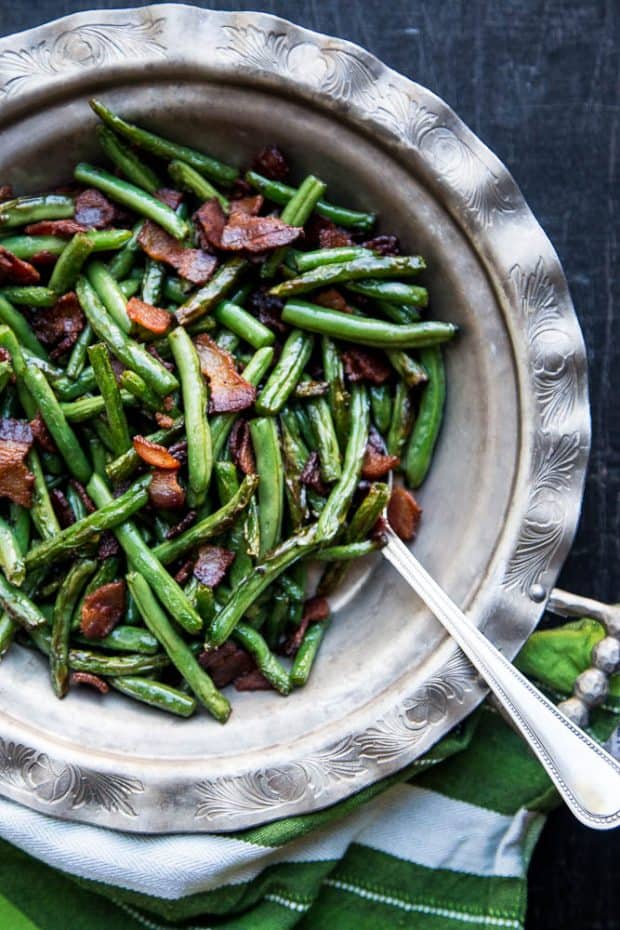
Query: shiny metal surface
{"type": "Point", "coordinates": [505, 490]}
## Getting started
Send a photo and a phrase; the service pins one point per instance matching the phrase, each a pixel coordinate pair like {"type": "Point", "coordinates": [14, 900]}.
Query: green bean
{"type": "Point", "coordinates": [294, 460]}
{"type": "Point", "coordinates": [365, 331]}
{"type": "Point", "coordinates": [304, 426]}
{"type": "Point", "coordinates": [271, 668]}
{"type": "Point", "coordinates": [281, 383]}
{"type": "Point", "coordinates": [76, 503]}
{"type": "Point", "coordinates": [112, 512]}
{"type": "Point", "coordinates": [306, 654]}
{"type": "Point", "coordinates": [177, 650]}
{"type": "Point", "coordinates": [276, 619]}
{"type": "Point", "coordinates": [109, 293]}
{"type": "Point", "coordinates": [98, 663]}
{"type": "Point", "coordinates": [142, 559]}
{"type": "Point", "coordinates": [103, 240]}
{"type": "Point", "coordinates": [309, 388]}
{"type": "Point", "coordinates": [18, 606]}
{"type": "Point", "coordinates": [111, 395]}
{"type": "Point", "coordinates": [227, 488]}
{"type": "Point", "coordinates": [69, 593]}
{"type": "Point", "coordinates": [242, 293]}
{"type": "Point", "coordinates": [224, 279]}
{"type": "Point", "coordinates": [395, 292]}
{"type": "Point", "coordinates": [428, 424]}
{"type": "Point", "coordinates": [126, 639]}
{"type": "Point", "coordinates": [124, 466]}
{"type": "Point", "coordinates": [64, 438]}
{"type": "Point", "coordinates": [164, 148]}
{"type": "Point", "coordinates": [281, 194]}
{"type": "Point", "coordinates": [266, 442]}
{"type": "Point", "coordinates": [107, 572]}
{"type": "Point", "coordinates": [346, 552]}
{"type": "Point", "coordinates": [194, 390]}
{"type": "Point", "coordinates": [399, 314]}
{"type": "Point", "coordinates": [326, 439]}
{"type": "Point", "coordinates": [130, 287]}
{"type": "Point", "coordinates": [381, 406]}
{"type": "Point", "coordinates": [338, 397]}
{"type": "Point", "coordinates": [125, 259]}
{"type": "Point", "coordinates": [402, 420]}
{"type": "Point", "coordinates": [85, 382]}
{"type": "Point", "coordinates": [411, 372]}
{"type": "Point", "coordinates": [11, 559]}
{"type": "Point", "coordinates": [21, 525]}
{"type": "Point", "coordinates": [265, 573]}
{"type": "Point", "coordinates": [370, 267]}
{"type": "Point", "coordinates": [130, 353]}
{"type": "Point", "coordinates": [156, 694]}
{"type": "Point", "coordinates": [41, 512]}
{"type": "Point", "coordinates": [153, 282]}
{"type": "Point", "coordinates": [126, 160]}
{"type": "Point", "coordinates": [132, 197]}
{"type": "Point", "coordinates": [70, 262]}
{"type": "Point", "coordinates": [77, 359]}
{"type": "Point", "coordinates": [187, 178]}
{"type": "Point", "coordinates": [31, 209]}
{"type": "Point", "coordinates": [86, 408]}
{"type": "Point", "coordinates": [6, 373]}
{"type": "Point", "coordinates": [138, 388]}
{"type": "Point", "coordinates": [18, 323]}
{"type": "Point", "coordinates": [243, 324]}
{"type": "Point", "coordinates": [308, 261]}
{"type": "Point", "coordinates": [176, 290]}
{"type": "Point", "coordinates": [30, 296]}
{"type": "Point", "coordinates": [297, 212]}
{"type": "Point", "coordinates": [252, 530]}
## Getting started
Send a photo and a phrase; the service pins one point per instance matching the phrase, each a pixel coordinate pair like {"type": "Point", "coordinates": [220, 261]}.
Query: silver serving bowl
{"type": "Point", "coordinates": [503, 497]}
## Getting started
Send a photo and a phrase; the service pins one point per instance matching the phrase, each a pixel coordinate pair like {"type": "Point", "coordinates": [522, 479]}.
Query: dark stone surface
{"type": "Point", "coordinates": [539, 82]}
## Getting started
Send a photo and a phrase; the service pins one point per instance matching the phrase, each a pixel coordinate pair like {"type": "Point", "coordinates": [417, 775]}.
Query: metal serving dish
{"type": "Point", "coordinates": [504, 494]}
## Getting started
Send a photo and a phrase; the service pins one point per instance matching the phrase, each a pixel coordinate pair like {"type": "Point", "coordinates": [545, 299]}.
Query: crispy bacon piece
{"type": "Point", "coordinates": [253, 681]}
{"type": "Point", "coordinates": [383, 245]}
{"type": "Point", "coordinates": [376, 462]}
{"type": "Point", "coordinates": [163, 420]}
{"type": "Point", "coordinates": [311, 474]}
{"type": "Point", "coordinates": [365, 365]}
{"type": "Point", "coordinates": [182, 525]}
{"type": "Point", "coordinates": [165, 492]}
{"type": "Point", "coordinates": [179, 450]}
{"type": "Point", "coordinates": [63, 228]}
{"type": "Point", "coordinates": [170, 197]}
{"type": "Point", "coordinates": [404, 513]}
{"type": "Point", "coordinates": [268, 308]}
{"type": "Point", "coordinates": [6, 193]}
{"type": "Point", "coordinates": [59, 326]}
{"type": "Point", "coordinates": [44, 258]}
{"type": "Point", "coordinates": [83, 495]}
{"type": "Point", "coordinates": [240, 446]}
{"type": "Point", "coordinates": [226, 663]}
{"type": "Point", "coordinates": [183, 574]}
{"type": "Point", "coordinates": [250, 206]}
{"type": "Point", "coordinates": [315, 609]}
{"type": "Point", "coordinates": [240, 189]}
{"type": "Point", "coordinates": [194, 265]}
{"type": "Point", "coordinates": [147, 317]}
{"type": "Point", "coordinates": [41, 434]}
{"type": "Point", "coordinates": [108, 546]}
{"type": "Point", "coordinates": [334, 237]}
{"type": "Point", "coordinates": [154, 454]}
{"type": "Point", "coordinates": [103, 609]}
{"type": "Point", "coordinates": [212, 564]}
{"type": "Point", "coordinates": [16, 481]}
{"type": "Point", "coordinates": [333, 298]}
{"type": "Point", "coordinates": [5, 355]}
{"type": "Point", "coordinates": [210, 220]}
{"type": "Point", "coordinates": [16, 270]}
{"type": "Point", "coordinates": [271, 163]}
{"type": "Point", "coordinates": [229, 392]}
{"type": "Point", "coordinates": [87, 678]}
{"type": "Point", "coordinates": [62, 508]}
{"type": "Point", "coordinates": [244, 233]}
{"type": "Point", "coordinates": [93, 210]}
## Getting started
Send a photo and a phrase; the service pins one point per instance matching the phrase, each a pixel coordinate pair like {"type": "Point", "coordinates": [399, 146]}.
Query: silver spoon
{"type": "Point", "coordinates": [586, 776]}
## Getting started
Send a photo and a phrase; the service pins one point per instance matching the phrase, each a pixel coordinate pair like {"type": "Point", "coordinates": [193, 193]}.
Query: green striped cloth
{"type": "Point", "coordinates": [442, 845]}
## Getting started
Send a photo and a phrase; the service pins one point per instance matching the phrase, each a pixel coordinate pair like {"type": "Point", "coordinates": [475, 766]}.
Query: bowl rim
{"type": "Point", "coordinates": [49, 61]}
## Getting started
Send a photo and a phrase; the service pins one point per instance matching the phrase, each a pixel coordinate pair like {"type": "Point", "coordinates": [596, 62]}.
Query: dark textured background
{"type": "Point", "coordinates": [539, 82]}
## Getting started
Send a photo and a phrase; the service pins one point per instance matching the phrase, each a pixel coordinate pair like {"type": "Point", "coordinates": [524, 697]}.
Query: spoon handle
{"type": "Point", "coordinates": [586, 776]}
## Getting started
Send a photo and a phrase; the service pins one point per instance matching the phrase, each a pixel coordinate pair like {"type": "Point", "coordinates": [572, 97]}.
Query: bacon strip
{"type": "Point", "coordinates": [87, 678]}
{"type": "Point", "coordinates": [210, 220]}
{"type": "Point", "coordinates": [315, 609]}
{"type": "Point", "coordinates": [213, 563]}
{"type": "Point", "coordinates": [93, 210]}
{"type": "Point", "coordinates": [376, 462]}
{"type": "Point", "coordinates": [250, 206]}
{"type": "Point", "coordinates": [194, 265]}
{"type": "Point", "coordinates": [16, 482]}
{"type": "Point", "coordinates": [59, 326]}
{"type": "Point", "coordinates": [229, 392]}
{"type": "Point", "coordinates": [226, 663]}
{"type": "Point", "coordinates": [365, 365]}
{"type": "Point", "coordinates": [103, 609]}
{"type": "Point", "coordinates": [16, 270]}
{"type": "Point", "coordinates": [404, 513]}
{"type": "Point", "coordinates": [244, 233]}
{"type": "Point", "coordinates": [240, 446]}
{"type": "Point", "coordinates": [165, 492]}
{"type": "Point", "coordinates": [154, 454]}
{"type": "Point", "coordinates": [170, 197]}
{"type": "Point", "coordinates": [146, 316]}
{"type": "Point", "coordinates": [253, 681]}
{"type": "Point", "coordinates": [63, 228]}
{"type": "Point", "coordinates": [271, 163]}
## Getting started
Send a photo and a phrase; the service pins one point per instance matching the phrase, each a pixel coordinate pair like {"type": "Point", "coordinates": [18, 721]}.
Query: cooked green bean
{"type": "Point", "coordinates": [281, 383]}
{"type": "Point", "coordinates": [306, 654]}
{"type": "Point", "coordinates": [110, 514]}
{"type": "Point", "coordinates": [327, 446]}
{"type": "Point", "coordinates": [187, 178]}
{"type": "Point", "coordinates": [11, 559]}
{"type": "Point", "coordinates": [370, 267]}
{"type": "Point", "coordinates": [129, 352]}
{"type": "Point", "coordinates": [124, 466]}
{"type": "Point", "coordinates": [124, 260]}
{"type": "Point", "coordinates": [77, 359]}
{"type": "Point", "coordinates": [41, 511]}
{"type": "Point", "coordinates": [271, 668]}
{"type": "Point", "coordinates": [281, 194]}
{"type": "Point", "coordinates": [297, 212]}
{"type": "Point", "coordinates": [348, 551]}
{"type": "Point", "coordinates": [86, 408]}
{"type": "Point", "coordinates": [294, 458]}
{"type": "Point", "coordinates": [399, 314]}
{"type": "Point", "coordinates": [153, 282]}
{"type": "Point", "coordinates": [85, 382]}
{"type": "Point", "coordinates": [130, 286]}
{"type": "Point", "coordinates": [308, 261]}
{"type": "Point", "coordinates": [266, 442]}
{"type": "Point", "coordinates": [138, 388]}
{"type": "Point", "coordinates": [67, 598]}
{"type": "Point", "coordinates": [125, 639]}
{"type": "Point", "coordinates": [227, 488]}
{"type": "Point", "coordinates": [224, 279]}
{"type": "Point", "coordinates": [364, 330]}
{"type": "Point", "coordinates": [30, 296]}
{"type": "Point", "coordinates": [428, 424]}
{"type": "Point", "coordinates": [70, 262]}
{"type": "Point", "coordinates": [111, 395]}
{"type": "Point", "coordinates": [18, 323]}
{"type": "Point", "coordinates": [164, 148]}
{"type": "Point", "coordinates": [18, 606]}
{"type": "Point", "coordinates": [395, 292]}
{"type": "Point", "coordinates": [176, 649]}
{"type": "Point", "coordinates": [31, 209]}
{"type": "Point", "coordinates": [338, 397]}
{"type": "Point", "coordinates": [132, 197]}
{"type": "Point", "coordinates": [102, 240]}
{"type": "Point", "coordinates": [127, 162]}
{"type": "Point", "coordinates": [176, 290]}
{"type": "Point", "coordinates": [6, 373]}
{"type": "Point", "coordinates": [401, 423]}
{"type": "Point", "coordinates": [381, 406]}
{"type": "Point", "coordinates": [243, 324]}
{"type": "Point", "coordinates": [411, 372]}
{"type": "Point", "coordinates": [194, 390]}
{"type": "Point", "coordinates": [109, 293]}
{"type": "Point", "coordinates": [156, 694]}
{"type": "Point", "coordinates": [21, 526]}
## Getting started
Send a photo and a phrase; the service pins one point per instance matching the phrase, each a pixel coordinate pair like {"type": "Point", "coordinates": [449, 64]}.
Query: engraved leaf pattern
{"type": "Point", "coordinates": [89, 45]}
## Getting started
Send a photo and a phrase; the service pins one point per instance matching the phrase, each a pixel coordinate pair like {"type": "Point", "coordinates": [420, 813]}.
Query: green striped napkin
{"type": "Point", "coordinates": [444, 844]}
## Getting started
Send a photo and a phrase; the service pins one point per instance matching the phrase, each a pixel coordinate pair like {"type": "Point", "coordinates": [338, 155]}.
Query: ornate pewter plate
{"type": "Point", "coordinates": [504, 494]}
